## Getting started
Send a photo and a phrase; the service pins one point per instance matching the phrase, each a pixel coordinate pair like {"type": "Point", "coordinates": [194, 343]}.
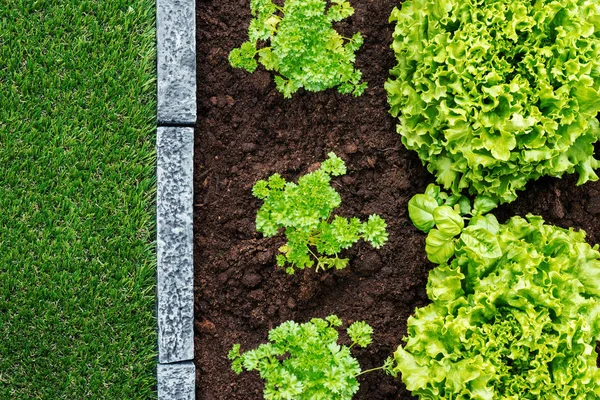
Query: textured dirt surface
{"type": "Point", "coordinates": [247, 132]}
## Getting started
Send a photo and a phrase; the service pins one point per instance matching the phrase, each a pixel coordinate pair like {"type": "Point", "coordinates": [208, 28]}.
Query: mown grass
{"type": "Point", "coordinates": [77, 112]}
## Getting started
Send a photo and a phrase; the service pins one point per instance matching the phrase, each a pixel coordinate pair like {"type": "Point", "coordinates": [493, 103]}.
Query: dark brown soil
{"type": "Point", "coordinates": [247, 132]}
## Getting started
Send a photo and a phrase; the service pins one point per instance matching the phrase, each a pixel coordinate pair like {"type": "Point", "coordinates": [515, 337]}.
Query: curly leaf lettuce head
{"type": "Point", "coordinates": [298, 42]}
{"type": "Point", "coordinates": [515, 314]}
{"type": "Point", "coordinates": [494, 93]}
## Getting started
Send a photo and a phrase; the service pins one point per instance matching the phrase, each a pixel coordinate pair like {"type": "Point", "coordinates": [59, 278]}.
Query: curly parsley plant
{"type": "Point", "coordinates": [305, 362]}
{"type": "Point", "coordinates": [494, 93]}
{"type": "Point", "coordinates": [515, 312]}
{"type": "Point", "coordinates": [304, 49]}
{"type": "Point", "coordinates": [304, 211]}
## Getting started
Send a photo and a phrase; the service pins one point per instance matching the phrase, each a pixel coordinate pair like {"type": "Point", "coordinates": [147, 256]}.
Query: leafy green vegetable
{"type": "Point", "coordinates": [360, 333]}
{"type": "Point", "coordinates": [305, 362]}
{"type": "Point", "coordinates": [304, 48]}
{"type": "Point", "coordinates": [439, 246]}
{"type": "Point", "coordinates": [304, 210]}
{"type": "Point", "coordinates": [494, 93]}
{"type": "Point", "coordinates": [442, 216]}
{"type": "Point", "coordinates": [448, 220]}
{"type": "Point", "coordinates": [515, 314]}
{"type": "Point", "coordinates": [420, 210]}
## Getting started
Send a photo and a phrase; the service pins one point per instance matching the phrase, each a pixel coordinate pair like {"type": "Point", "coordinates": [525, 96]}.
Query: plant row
{"type": "Point", "coordinates": [490, 94]}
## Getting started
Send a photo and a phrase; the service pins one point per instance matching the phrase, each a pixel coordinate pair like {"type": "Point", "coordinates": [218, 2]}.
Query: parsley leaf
{"type": "Point", "coordinates": [304, 361]}
{"type": "Point", "coordinates": [360, 333]}
{"type": "Point", "coordinates": [304, 211]}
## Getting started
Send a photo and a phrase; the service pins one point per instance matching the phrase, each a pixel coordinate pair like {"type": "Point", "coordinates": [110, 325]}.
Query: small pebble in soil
{"type": "Point", "coordinates": [249, 147]}
{"type": "Point", "coordinates": [368, 264]}
{"type": "Point", "coordinates": [251, 279]}
{"type": "Point", "coordinates": [371, 161]}
{"type": "Point", "coordinates": [263, 257]}
{"type": "Point", "coordinates": [348, 180]}
{"type": "Point", "coordinates": [350, 148]}
{"type": "Point", "coordinates": [257, 295]}
{"type": "Point", "coordinates": [593, 205]}
{"type": "Point", "coordinates": [386, 388]}
{"type": "Point", "coordinates": [205, 326]}
{"type": "Point", "coordinates": [291, 303]}
{"type": "Point", "coordinates": [367, 301]}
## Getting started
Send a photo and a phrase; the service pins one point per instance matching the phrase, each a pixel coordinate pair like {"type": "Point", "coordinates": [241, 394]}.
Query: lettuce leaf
{"type": "Point", "coordinates": [299, 43]}
{"type": "Point", "coordinates": [515, 314]}
{"type": "Point", "coordinates": [494, 93]}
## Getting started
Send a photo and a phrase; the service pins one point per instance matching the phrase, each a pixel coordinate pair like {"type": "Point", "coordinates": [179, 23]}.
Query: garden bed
{"type": "Point", "coordinates": [246, 132]}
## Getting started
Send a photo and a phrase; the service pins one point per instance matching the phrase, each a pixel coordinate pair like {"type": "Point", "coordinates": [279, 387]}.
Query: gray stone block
{"type": "Point", "coordinates": [176, 381]}
{"type": "Point", "coordinates": [176, 61]}
{"type": "Point", "coordinates": [175, 269]}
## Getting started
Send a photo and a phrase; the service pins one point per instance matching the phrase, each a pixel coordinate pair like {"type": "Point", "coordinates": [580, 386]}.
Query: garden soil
{"type": "Point", "coordinates": [247, 131]}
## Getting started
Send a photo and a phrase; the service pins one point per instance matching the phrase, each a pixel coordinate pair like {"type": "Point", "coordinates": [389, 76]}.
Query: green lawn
{"type": "Point", "coordinates": [77, 186]}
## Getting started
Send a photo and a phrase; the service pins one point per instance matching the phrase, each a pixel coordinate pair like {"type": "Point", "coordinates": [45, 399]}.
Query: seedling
{"type": "Point", "coordinates": [304, 361]}
{"type": "Point", "coordinates": [304, 210]}
{"type": "Point", "coordinates": [304, 50]}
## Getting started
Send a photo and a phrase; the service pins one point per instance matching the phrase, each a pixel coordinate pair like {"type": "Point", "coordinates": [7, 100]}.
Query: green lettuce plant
{"type": "Point", "coordinates": [515, 310]}
{"type": "Point", "coordinates": [305, 362]}
{"type": "Point", "coordinates": [304, 211]}
{"type": "Point", "coordinates": [494, 93]}
{"type": "Point", "coordinates": [304, 49]}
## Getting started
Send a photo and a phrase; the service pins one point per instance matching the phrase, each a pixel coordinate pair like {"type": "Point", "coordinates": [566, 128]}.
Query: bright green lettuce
{"type": "Point", "coordinates": [305, 362]}
{"type": "Point", "coordinates": [515, 314]}
{"type": "Point", "coordinates": [304, 48]}
{"type": "Point", "coordinates": [304, 210]}
{"type": "Point", "coordinates": [494, 93]}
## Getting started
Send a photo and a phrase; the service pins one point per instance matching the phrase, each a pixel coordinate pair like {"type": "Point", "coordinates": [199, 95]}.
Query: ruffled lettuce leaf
{"type": "Point", "coordinates": [515, 314]}
{"type": "Point", "coordinates": [299, 43]}
{"type": "Point", "coordinates": [494, 93]}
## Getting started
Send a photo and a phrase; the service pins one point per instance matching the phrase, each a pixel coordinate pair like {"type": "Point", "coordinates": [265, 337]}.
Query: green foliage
{"type": "Point", "coordinates": [77, 195]}
{"type": "Point", "coordinates": [515, 312]}
{"type": "Point", "coordinates": [304, 211]}
{"type": "Point", "coordinates": [304, 361]}
{"type": "Point", "coordinates": [360, 333]}
{"type": "Point", "coordinates": [494, 93]}
{"type": "Point", "coordinates": [441, 216]}
{"type": "Point", "coordinates": [305, 50]}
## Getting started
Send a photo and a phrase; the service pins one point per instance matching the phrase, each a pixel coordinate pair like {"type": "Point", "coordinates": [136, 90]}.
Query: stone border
{"type": "Point", "coordinates": [176, 116]}
{"type": "Point", "coordinates": [176, 381]}
{"type": "Point", "coordinates": [174, 244]}
{"type": "Point", "coordinates": [176, 62]}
